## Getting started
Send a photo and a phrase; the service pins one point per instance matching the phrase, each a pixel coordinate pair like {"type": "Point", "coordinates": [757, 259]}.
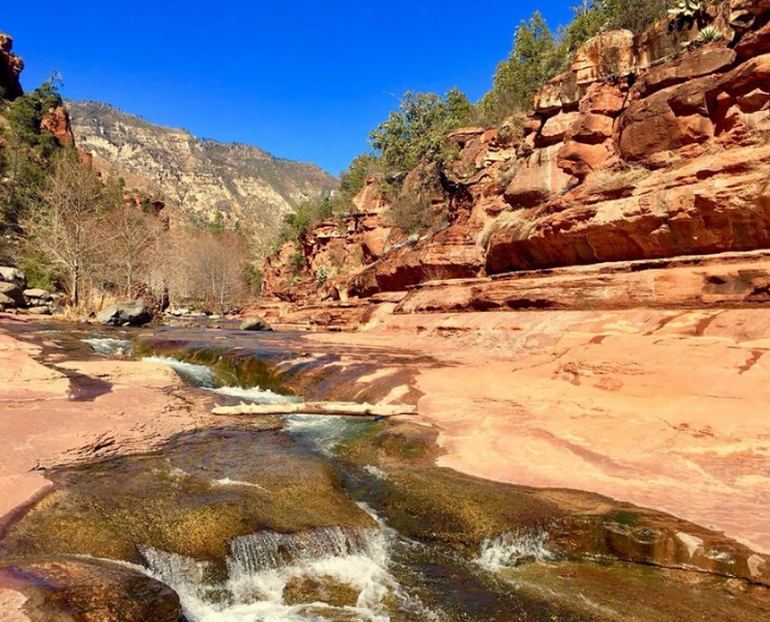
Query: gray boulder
{"type": "Point", "coordinates": [12, 275]}
{"type": "Point", "coordinates": [36, 293]}
{"type": "Point", "coordinates": [12, 292]}
{"type": "Point", "coordinates": [255, 324]}
{"type": "Point", "coordinates": [40, 310]}
{"type": "Point", "coordinates": [134, 313]}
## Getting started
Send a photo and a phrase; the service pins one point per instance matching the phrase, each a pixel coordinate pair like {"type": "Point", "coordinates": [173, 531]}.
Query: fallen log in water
{"type": "Point", "coordinates": [346, 409]}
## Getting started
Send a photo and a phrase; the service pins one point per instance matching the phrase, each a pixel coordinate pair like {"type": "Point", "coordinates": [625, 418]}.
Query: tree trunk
{"type": "Point", "coordinates": [75, 285]}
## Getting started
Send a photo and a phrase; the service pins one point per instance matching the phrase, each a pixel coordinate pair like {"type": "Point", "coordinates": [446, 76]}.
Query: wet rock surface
{"type": "Point", "coordinates": [191, 499]}
{"type": "Point", "coordinates": [433, 503]}
{"type": "Point", "coordinates": [79, 590]}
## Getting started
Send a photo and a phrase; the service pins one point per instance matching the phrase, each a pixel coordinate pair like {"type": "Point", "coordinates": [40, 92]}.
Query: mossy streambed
{"type": "Point", "coordinates": [309, 518]}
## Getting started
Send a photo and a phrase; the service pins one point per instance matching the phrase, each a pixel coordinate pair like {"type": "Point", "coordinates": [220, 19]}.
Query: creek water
{"type": "Point", "coordinates": [370, 573]}
{"type": "Point", "coordinates": [268, 521]}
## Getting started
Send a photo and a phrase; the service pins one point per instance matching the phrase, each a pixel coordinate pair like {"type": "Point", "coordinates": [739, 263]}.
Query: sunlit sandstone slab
{"type": "Point", "coordinates": [106, 408]}
{"type": "Point", "coordinates": [665, 409]}
{"type": "Point", "coordinates": [23, 378]}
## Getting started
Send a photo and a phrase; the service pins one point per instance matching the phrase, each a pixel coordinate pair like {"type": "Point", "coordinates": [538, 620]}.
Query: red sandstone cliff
{"type": "Point", "coordinates": [10, 68]}
{"type": "Point", "coordinates": [648, 147]}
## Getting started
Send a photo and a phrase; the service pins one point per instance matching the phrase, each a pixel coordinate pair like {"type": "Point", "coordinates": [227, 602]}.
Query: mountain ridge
{"type": "Point", "coordinates": [206, 179]}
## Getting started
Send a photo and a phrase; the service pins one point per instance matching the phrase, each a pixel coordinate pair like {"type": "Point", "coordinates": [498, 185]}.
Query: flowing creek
{"type": "Point", "coordinates": [312, 518]}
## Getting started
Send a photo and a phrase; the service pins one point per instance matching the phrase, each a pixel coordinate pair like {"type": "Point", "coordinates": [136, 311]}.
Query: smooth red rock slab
{"type": "Point", "coordinates": [663, 409]}
{"type": "Point", "coordinates": [42, 426]}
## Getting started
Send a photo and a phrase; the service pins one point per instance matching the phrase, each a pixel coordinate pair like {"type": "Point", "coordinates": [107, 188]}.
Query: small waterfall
{"type": "Point", "coordinates": [511, 549]}
{"type": "Point", "coordinates": [201, 376]}
{"type": "Point", "coordinates": [268, 550]}
{"type": "Point", "coordinates": [175, 569]}
{"type": "Point", "coordinates": [262, 565]}
{"type": "Point", "coordinates": [323, 434]}
{"type": "Point", "coordinates": [110, 347]}
{"type": "Point", "coordinates": [198, 375]}
{"type": "Point", "coordinates": [255, 395]}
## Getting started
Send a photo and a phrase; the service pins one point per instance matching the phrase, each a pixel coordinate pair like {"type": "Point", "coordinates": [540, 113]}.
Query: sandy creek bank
{"type": "Point", "coordinates": [473, 510]}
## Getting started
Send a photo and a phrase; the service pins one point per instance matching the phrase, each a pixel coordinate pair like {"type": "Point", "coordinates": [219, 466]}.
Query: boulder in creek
{"type": "Point", "coordinates": [134, 313]}
{"type": "Point", "coordinates": [39, 310]}
{"type": "Point", "coordinates": [255, 324]}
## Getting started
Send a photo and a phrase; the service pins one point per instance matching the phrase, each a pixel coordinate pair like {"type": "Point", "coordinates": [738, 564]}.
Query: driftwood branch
{"type": "Point", "coordinates": [347, 409]}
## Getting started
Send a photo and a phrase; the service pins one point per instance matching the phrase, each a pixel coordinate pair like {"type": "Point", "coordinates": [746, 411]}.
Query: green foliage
{"type": "Point", "coordinates": [417, 130]}
{"type": "Point", "coordinates": [322, 275]}
{"type": "Point", "coordinates": [25, 114]}
{"type": "Point", "coordinates": [308, 215]}
{"type": "Point", "coordinates": [686, 9]}
{"type": "Point", "coordinates": [588, 21]}
{"type": "Point", "coordinates": [353, 180]}
{"type": "Point", "coordinates": [536, 57]}
{"type": "Point", "coordinates": [635, 15]}
{"type": "Point", "coordinates": [40, 273]}
{"type": "Point", "coordinates": [710, 34]}
{"type": "Point", "coordinates": [254, 278]}
{"type": "Point", "coordinates": [297, 262]}
{"type": "Point", "coordinates": [28, 157]}
{"type": "Point", "coordinates": [216, 226]}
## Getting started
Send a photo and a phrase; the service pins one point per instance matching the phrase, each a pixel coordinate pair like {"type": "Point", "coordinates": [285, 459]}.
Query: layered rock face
{"type": "Point", "coordinates": [668, 161]}
{"type": "Point", "coordinates": [57, 123]}
{"type": "Point", "coordinates": [204, 178]}
{"type": "Point", "coordinates": [650, 146]}
{"type": "Point", "coordinates": [10, 68]}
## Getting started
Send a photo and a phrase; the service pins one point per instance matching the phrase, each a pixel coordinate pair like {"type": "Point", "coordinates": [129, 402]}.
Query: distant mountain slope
{"type": "Point", "coordinates": [201, 177]}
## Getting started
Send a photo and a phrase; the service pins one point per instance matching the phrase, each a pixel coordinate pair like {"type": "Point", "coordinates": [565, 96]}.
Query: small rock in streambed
{"type": "Point", "coordinates": [255, 324]}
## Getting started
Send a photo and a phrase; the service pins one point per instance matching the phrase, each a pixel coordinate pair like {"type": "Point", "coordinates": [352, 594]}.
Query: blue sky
{"type": "Point", "coordinates": [303, 80]}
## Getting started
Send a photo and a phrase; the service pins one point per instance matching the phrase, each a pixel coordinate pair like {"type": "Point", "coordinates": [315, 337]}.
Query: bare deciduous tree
{"type": "Point", "coordinates": [203, 266]}
{"type": "Point", "coordinates": [133, 235]}
{"type": "Point", "coordinates": [65, 226]}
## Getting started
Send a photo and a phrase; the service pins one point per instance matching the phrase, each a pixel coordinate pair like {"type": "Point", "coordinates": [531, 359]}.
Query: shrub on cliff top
{"type": "Point", "coordinates": [538, 54]}
{"type": "Point", "coordinates": [418, 128]}
{"type": "Point", "coordinates": [635, 15]}
{"type": "Point", "coordinates": [535, 58]}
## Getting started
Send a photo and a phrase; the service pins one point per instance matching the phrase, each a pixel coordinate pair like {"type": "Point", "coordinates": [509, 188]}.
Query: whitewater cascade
{"type": "Point", "coordinates": [110, 347]}
{"type": "Point", "coordinates": [514, 548]}
{"type": "Point", "coordinates": [261, 566]}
